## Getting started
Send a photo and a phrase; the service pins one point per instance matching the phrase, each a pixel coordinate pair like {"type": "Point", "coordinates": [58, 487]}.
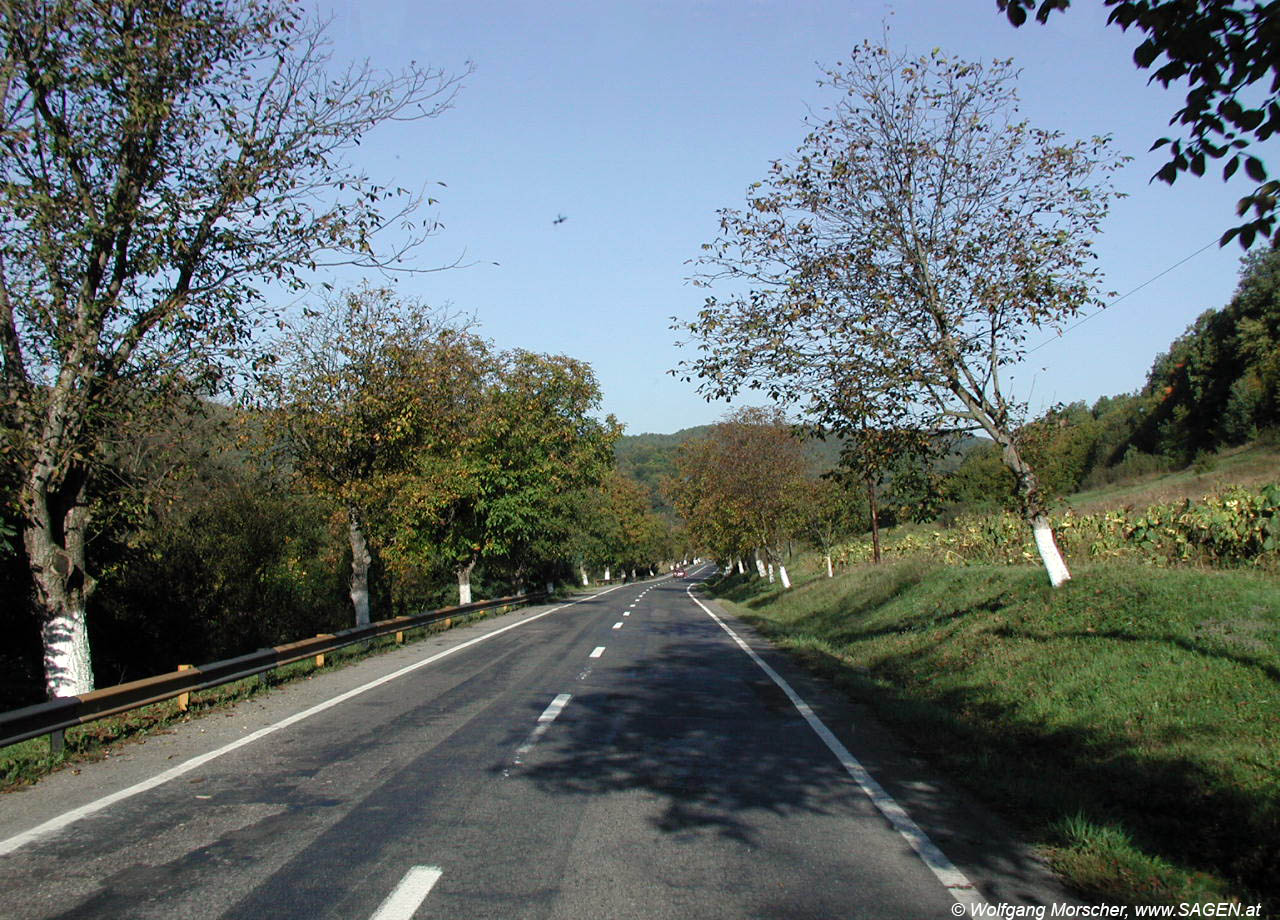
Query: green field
{"type": "Point", "coordinates": [1128, 723]}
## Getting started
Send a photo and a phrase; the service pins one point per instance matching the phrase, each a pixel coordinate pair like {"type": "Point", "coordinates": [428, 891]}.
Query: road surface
{"type": "Point", "coordinates": [621, 756]}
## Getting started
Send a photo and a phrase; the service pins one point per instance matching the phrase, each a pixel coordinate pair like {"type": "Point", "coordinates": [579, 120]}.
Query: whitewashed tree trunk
{"type": "Point", "coordinates": [1034, 512]}
{"type": "Point", "coordinates": [741, 570]}
{"type": "Point", "coordinates": [1049, 553]}
{"type": "Point", "coordinates": [464, 583]}
{"type": "Point", "coordinates": [586, 582]}
{"type": "Point", "coordinates": [760, 566]}
{"type": "Point", "coordinates": [830, 572]}
{"type": "Point", "coordinates": [67, 665]}
{"type": "Point", "coordinates": [361, 559]}
{"type": "Point", "coordinates": [606, 574]}
{"type": "Point", "coordinates": [551, 588]}
{"type": "Point", "coordinates": [782, 574]}
{"type": "Point", "coordinates": [54, 537]}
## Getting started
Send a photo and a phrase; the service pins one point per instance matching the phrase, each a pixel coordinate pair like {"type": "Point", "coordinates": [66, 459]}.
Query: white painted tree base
{"type": "Point", "coordinates": [1049, 553]}
{"type": "Point", "coordinates": [67, 667]}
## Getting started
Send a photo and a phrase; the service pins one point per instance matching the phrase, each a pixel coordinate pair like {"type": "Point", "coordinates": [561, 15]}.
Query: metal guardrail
{"type": "Point", "coordinates": [54, 717]}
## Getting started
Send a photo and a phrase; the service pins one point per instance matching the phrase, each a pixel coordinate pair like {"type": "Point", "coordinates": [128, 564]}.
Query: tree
{"type": "Point", "coordinates": [1222, 49]}
{"type": "Point", "coordinates": [496, 486]}
{"type": "Point", "coordinates": [617, 529]}
{"type": "Point", "coordinates": [894, 266]}
{"type": "Point", "coordinates": [1219, 383]}
{"type": "Point", "coordinates": [869, 454]}
{"type": "Point", "coordinates": [828, 515]}
{"type": "Point", "coordinates": [160, 162]}
{"type": "Point", "coordinates": [366, 383]}
{"type": "Point", "coordinates": [740, 488]}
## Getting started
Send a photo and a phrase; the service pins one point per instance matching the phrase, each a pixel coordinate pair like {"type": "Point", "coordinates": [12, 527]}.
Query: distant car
{"type": "Point", "coordinates": [678, 573]}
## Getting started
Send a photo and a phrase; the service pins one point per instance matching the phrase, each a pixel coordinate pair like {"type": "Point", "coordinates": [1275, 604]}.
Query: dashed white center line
{"type": "Point", "coordinates": [617, 625]}
{"type": "Point", "coordinates": [597, 651]}
{"type": "Point", "coordinates": [626, 613]}
{"type": "Point", "coordinates": [409, 894]}
{"type": "Point", "coordinates": [544, 722]}
{"type": "Point", "coordinates": [549, 714]}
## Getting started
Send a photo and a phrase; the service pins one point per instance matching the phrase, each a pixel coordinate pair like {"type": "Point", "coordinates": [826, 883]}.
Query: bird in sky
{"type": "Point", "coordinates": [560, 219]}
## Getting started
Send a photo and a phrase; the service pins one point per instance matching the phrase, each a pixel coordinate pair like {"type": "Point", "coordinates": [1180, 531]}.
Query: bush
{"type": "Point", "coordinates": [1236, 527]}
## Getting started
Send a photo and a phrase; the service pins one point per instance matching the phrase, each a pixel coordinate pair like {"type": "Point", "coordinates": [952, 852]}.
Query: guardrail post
{"type": "Point", "coordinates": [57, 741]}
{"type": "Point", "coordinates": [400, 638]}
{"type": "Point", "coordinates": [320, 657]}
{"type": "Point", "coordinates": [184, 699]}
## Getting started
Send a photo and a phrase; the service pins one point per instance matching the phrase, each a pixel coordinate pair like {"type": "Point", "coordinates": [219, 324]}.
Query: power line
{"type": "Point", "coordinates": [1077, 325]}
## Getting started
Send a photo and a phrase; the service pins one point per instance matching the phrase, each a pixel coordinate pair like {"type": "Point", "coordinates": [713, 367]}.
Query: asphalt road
{"type": "Point", "coordinates": [620, 757]}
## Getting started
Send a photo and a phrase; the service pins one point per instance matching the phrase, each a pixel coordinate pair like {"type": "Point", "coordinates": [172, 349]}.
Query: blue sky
{"type": "Point", "coordinates": [637, 120]}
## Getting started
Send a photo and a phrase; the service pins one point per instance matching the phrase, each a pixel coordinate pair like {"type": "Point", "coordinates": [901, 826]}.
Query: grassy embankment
{"type": "Point", "coordinates": [1128, 723]}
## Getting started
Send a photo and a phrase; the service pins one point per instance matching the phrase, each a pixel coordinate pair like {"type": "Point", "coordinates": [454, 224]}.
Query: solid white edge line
{"type": "Point", "coordinates": [597, 651]}
{"type": "Point", "coordinates": [408, 896]}
{"type": "Point", "coordinates": [943, 869]}
{"type": "Point", "coordinates": [55, 824]}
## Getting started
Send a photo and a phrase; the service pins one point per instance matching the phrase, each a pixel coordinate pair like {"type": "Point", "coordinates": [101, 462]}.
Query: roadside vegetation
{"type": "Point", "coordinates": [1127, 723]}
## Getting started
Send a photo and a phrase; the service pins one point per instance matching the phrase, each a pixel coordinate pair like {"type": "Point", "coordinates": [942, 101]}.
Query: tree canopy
{"type": "Point", "coordinates": [161, 164]}
{"type": "Point", "coordinates": [886, 275]}
{"type": "Point", "coordinates": [1228, 54]}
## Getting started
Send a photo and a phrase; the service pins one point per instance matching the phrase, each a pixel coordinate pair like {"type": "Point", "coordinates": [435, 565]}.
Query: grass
{"type": "Point", "coordinates": [1128, 722]}
{"type": "Point", "coordinates": [26, 762]}
{"type": "Point", "coordinates": [1251, 466]}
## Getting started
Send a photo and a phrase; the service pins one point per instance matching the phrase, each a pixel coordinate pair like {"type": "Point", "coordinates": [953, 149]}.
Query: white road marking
{"type": "Point", "coordinates": [544, 722]}
{"type": "Point", "coordinates": [597, 651]}
{"type": "Point", "coordinates": [617, 625]}
{"type": "Point", "coordinates": [943, 868]}
{"type": "Point", "coordinates": [409, 894]}
{"type": "Point", "coordinates": [549, 714]}
{"type": "Point", "coordinates": [626, 613]}
{"type": "Point", "coordinates": [67, 818]}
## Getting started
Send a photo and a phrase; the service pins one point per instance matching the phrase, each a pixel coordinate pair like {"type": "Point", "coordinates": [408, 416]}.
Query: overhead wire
{"type": "Point", "coordinates": [1150, 280]}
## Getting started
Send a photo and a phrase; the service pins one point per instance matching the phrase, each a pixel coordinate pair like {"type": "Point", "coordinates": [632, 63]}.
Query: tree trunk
{"type": "Point", "coordinates": [606, 574]}
{"type": "Point", "coordinates": [770, 573]}
{"type": "Point", "coordinates": [464, 582]}
{"type": "Point", "coordinates": [875, 523]}
{"type": "Point", "coordinates": [741, 570]}
{"type": "Point", "coordinates": [782, 574]}
{"type": "Point", "coordinates": [760, 566]}
{"type": "Point", "coordinates": [586, 582]}
{"type": "Point", "coordinates": [54, 535]}
{"type": "Point", "coordinates": [361, 559]}
{"type": "Point", "coordinates": [830, 572]}
{"type": "Point", "coordinates": [1034, 513]}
